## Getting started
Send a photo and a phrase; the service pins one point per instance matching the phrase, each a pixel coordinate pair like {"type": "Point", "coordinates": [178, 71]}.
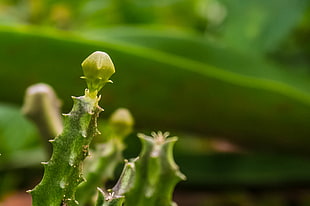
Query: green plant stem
{"type": "Point", "coordinates": [156, 173]}
{"type": "Point", "coordinates": [109, 199]}
{"type": "Point", "coordinates": [42, 106]}
{"type": "Point", "coordinates": [150, 178]}
{"type": "Point", "coordinates": [101, 168]}
{"type": "Point", "coordinates": [63, 172]}
{"type": "Point", "coordinates": [106, 156]}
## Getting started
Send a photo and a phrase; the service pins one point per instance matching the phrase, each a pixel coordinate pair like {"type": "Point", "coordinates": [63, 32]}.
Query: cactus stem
{"type": "Point", "coordinates": [63, 172]}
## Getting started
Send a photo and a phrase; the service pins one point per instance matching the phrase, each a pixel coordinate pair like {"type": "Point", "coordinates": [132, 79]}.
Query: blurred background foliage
{"type": "Point", "coordinates": [230, 77]}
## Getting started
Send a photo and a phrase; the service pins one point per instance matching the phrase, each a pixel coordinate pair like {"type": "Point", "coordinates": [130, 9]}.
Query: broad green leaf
{"type": "Point", "coordinates": [251, 170]}
{"type": "Point", "coordinates": [260, 25]}
{"type": "Point", "coordinates": [171, 83]}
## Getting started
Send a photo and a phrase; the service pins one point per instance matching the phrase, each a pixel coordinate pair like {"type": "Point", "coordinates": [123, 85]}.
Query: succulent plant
{"type": "Point", "coordinates": [148, 179]}
{"type": "Point", "coordinates": [64, 172]}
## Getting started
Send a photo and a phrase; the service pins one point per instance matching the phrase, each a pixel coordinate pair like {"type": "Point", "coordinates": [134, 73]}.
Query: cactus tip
{"type": "Point", "coordinates": [98, 68]}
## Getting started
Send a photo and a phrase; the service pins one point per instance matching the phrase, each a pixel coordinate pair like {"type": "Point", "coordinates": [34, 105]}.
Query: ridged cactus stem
{"type": "Point", "coordinates": [156, 172]}
{"type": "Point", "coordinates": [149, 179]}
{"type": "Point", "coordinates": [109, 200]}
{"type": "Point", "coordinates": [115, 196]}
{"type": "Point", "coordinates": [63, 172]}
{"type": "Point", "coordinates": [106, 156]}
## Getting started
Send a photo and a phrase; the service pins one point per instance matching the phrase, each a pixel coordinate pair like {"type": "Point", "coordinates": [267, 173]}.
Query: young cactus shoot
{"type": "Point", "coordinates": [63, 172]}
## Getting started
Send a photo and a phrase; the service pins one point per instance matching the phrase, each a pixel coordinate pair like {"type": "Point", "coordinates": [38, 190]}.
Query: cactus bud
{"type": "Point", "coordinates": [122, 122]}
{"type": "Point", "coordinates": [98, 68]}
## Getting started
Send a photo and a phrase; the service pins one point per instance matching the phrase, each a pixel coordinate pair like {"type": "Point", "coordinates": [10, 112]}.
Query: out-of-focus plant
{"type": "Point", "coordinates": [106, 155]}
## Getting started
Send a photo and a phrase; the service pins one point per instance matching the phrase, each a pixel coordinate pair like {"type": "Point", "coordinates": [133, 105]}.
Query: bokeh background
{"type": "Point", "coordinates": [231, 78]}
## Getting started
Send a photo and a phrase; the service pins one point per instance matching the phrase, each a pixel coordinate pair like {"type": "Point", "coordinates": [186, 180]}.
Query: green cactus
{"type": "Point", "coordinates": [114, 196]}
{"type": "Point", "coordinates": [63, 172]}
{"type": "Point", "coordinates": [108, 200]}
{"type": "Point", "coordinates": [150, 179]}
{"type": "Point", "coordinates": [147, 180]}
{"type": "Point", "coordinates": [103, 160]}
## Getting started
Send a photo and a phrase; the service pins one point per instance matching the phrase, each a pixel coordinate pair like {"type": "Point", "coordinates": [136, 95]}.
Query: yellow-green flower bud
{"type": "Point", "coordinates": [122, 122]}
{"type": "Point", "coordinates": [98, 68]}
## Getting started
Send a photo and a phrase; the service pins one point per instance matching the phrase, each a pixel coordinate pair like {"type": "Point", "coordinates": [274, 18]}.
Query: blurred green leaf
{"type": "Point", "coordinates": [260, 25]}
{"type": "Point", "coordinates": [244, 170]}
{"type": "Point", "coordinates": [19, 139]}
{"type": "Point", "coordinates": [172, 82]}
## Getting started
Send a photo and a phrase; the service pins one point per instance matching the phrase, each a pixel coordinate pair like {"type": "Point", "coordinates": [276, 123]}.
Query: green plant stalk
{"type": "Point", "coordinates": [63, 172]}
{"type": "Point", "coordinates": [100, 169]}
{"type": "Point", "coordinates": [42, 106]}
{"type": "Point", "coordinates": [156, 172]}
{"type": "Point", "coordinates": [150, 179]}
{"type": "Point", "coordinates": [108, 200]}
{"type": "Point", "coordinates": [115, 196]}
{"type": "Point", "coordinates": [104, 159]}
